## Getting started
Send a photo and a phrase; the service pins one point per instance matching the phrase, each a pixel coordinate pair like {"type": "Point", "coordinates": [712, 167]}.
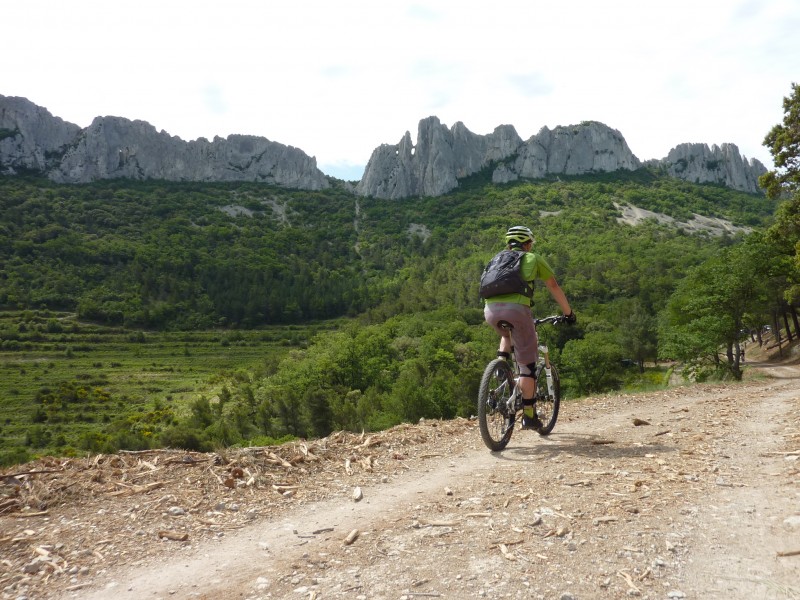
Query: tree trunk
{"type": "Point", "coordinates": [793, 312]}
{"type": "Point", "coordinates": [776, 331]}
{"type": "Point", "coordinates": [733, 360]}
{"type": "Point", "coordinates": [788, 331]}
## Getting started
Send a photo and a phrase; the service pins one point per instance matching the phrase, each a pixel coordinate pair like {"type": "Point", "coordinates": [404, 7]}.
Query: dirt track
{"type": "Point", "coordinates": [700, 503]}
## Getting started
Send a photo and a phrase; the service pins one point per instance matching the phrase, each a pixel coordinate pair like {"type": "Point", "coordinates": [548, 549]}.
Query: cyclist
{"type": "Point", "coordinates": [515, 308]}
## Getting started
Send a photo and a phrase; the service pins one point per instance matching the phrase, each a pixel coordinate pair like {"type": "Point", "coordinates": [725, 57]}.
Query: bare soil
{"type": "Point", "coordinates": [690, 492]}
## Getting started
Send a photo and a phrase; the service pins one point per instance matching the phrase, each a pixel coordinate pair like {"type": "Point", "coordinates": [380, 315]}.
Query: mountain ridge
{"type": "Point", "coordinates": [32, 139]}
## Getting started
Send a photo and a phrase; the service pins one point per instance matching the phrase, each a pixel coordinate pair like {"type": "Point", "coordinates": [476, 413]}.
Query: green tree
{"type": "Point", "coordinates": [705, 317]}
{"type": "Point", "coordinates": [783, 142]}
{"type": "Point", "coordinates": [593, 362]}
{"type": "Point", "coordinates": [320, 415]}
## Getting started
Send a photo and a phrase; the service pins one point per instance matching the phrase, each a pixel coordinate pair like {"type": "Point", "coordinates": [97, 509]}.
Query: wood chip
{"type": "Point", "coordinates": [506, 553]}
{"type": "Point", "coordinates": [130, 490]}
{"type": "Point", "coordinates": [351, 537]}
{"type": "Point", "coordinates": [629, 580]}
{"type": "Point", "coordinates": [277, 460]}
{"type": "Point", "coordinates": [511, 543]}
{"type": "Point", "coordinates": [173, 535]}
{"type": "Point", "coordinates": [430, 523]}
{"type": "Point", "coordinates": [285, 488]}
{"type": "Point", "coordinates": [369, 442]}
{"type": "Point", "coordinates": [606, 519]}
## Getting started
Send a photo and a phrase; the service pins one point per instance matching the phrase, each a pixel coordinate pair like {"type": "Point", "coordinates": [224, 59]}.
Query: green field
{"type": "Point", "coordinates": [65, 385]}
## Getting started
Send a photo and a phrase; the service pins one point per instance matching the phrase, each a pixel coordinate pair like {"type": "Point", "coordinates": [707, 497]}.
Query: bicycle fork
{"type": "Point", "coordinates": [548, 372]}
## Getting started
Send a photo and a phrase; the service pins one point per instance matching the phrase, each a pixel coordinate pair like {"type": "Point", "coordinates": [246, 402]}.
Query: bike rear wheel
{"type": "Point", "coordinates": [547, 404]}
{"type": "Point", "coordinates": [495, 420]}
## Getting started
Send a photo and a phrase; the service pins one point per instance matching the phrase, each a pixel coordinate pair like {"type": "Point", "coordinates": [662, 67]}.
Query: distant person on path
{"type": "Point", "coordinates": [515, 308]}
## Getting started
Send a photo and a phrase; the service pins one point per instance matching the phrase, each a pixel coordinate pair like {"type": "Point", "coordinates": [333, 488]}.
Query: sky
{"type": "Point", "coordinates": [339, 78]}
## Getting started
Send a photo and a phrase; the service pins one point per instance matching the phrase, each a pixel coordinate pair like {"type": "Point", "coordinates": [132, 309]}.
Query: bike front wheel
{"type": "Point", "coordinates": [547, 404]}
{"type": "Point", "coordinates": [495, 419]}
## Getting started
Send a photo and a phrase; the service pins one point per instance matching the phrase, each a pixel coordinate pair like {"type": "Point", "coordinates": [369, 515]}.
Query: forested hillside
{"type": "Point", "coordinates": [182, 256]}
{"type": "Point", "coordinates": [399, 277]}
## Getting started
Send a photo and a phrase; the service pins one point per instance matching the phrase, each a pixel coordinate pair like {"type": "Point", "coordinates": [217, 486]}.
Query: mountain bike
{"type": "Point", "coordinates": [500, 398]}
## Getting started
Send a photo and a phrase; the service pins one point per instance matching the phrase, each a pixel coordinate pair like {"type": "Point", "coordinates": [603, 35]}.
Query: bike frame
{"type": "Point", "coordinates": [544, 351]}
{"type": "Point", "coordinates": [500, 400]}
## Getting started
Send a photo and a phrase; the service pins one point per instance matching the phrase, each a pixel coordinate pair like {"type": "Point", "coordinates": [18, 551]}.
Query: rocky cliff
{"type": "Point", "coordinates": [724, 165]}
{"type": "Point", "coordinates": [590, 147]}
{"type": "Point", "coordinates": [443, 156]}
{"type": "Point", "coordinates": [33, 139]}
{"type": "Point", "coordinates": [30, 137]}
{"type": "Point", "coordinates": [111, 147]}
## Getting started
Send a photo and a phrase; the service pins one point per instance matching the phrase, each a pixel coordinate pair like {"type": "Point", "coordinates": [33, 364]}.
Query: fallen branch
{"type": "Point", "coordinates": [323, 530]}
{"type": "Point", "coordinates": [789, 553]}
{"type": "Point", "coordinates": [21, 473]}
{"type": "Point", "coordinates": [136, 489]}
{"type": "Point", "coordinates": [26, 515]}
{"type": "Point", "coordinates": [494, 545]}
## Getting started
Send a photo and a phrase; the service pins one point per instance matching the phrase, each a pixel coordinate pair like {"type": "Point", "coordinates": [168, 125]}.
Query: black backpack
{"type": "Point", "coordinates": [503, 275]}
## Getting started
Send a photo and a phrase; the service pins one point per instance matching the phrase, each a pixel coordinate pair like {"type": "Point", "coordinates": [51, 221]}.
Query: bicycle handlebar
{"type": "Point", "coordinates": [554, 319]}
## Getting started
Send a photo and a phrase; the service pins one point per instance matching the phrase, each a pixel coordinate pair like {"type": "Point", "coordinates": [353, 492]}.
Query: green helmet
{"type": "Point", "coordinates": [519, 235]}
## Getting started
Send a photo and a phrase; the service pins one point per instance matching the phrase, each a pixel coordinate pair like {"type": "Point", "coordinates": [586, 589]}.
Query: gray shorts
{"type": "Point", "coordinates": [526, 340]}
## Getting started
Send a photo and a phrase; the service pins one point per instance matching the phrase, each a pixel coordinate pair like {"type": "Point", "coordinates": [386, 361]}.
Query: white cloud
{"type": "Point", "coordinates": [339, 79]}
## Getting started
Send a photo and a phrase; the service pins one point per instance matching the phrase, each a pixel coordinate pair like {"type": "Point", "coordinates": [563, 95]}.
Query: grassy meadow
{"type": "Point", "coordinates": [65, 384]}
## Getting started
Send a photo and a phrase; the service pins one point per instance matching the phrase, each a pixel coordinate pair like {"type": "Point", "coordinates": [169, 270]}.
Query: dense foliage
{"type": "Point", "coordinates": [172, 256]}
{"type": "Point", "coordinates": [401, 277]}
{"type": "Point", "coordinates": [736, 292]}
{"type": "Point", "coordinates": [783, 141]}
{"type": "Point", "coordinates": [784, 182]}
{"type": "Point", "coordinates": [185, 256]}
